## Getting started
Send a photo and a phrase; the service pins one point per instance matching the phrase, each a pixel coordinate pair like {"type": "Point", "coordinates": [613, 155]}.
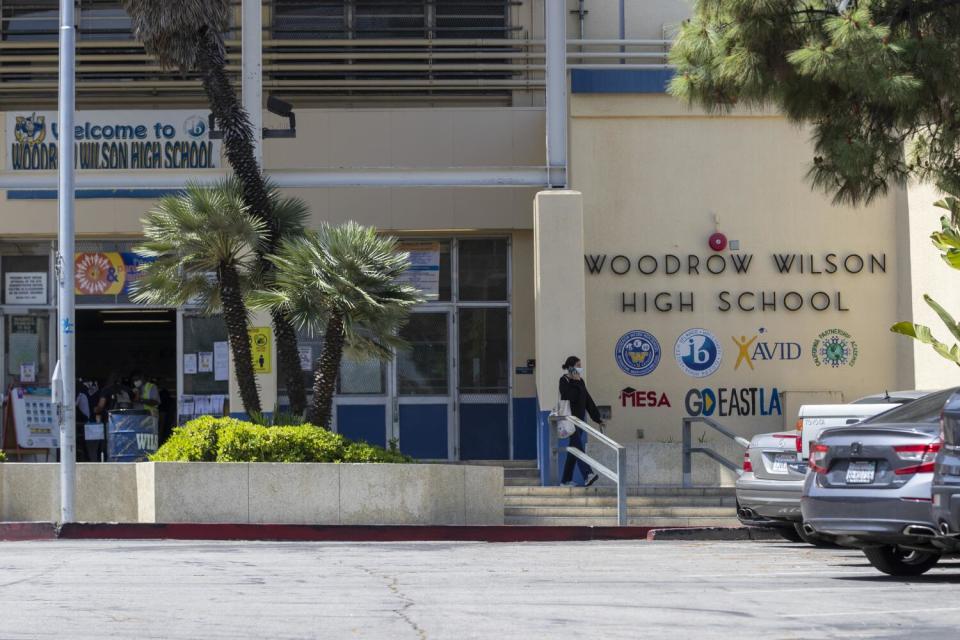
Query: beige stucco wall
{"type": "Point", "coordinates": [360, 139]}
{"type": "Point", "coordinates": [658, 179]}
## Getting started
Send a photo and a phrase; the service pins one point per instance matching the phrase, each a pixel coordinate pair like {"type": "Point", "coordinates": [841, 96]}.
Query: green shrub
{"type": "Point", "coordinates": [209, 439]}
{"type": "Point", "coordinates": [3, 456]}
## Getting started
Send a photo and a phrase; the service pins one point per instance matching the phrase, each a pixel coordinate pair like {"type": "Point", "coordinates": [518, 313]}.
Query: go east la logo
{"type": "Point", "coordinates": [698, 353]}
{"type": "Point", "coordinates": [725, 402]}
{"type": "Point", "coordinates": [635, 398]}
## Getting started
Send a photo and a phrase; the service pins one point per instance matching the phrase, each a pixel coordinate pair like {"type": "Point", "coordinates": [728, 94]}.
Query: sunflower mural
{"type": "Point", "coordinates": [99, 274]}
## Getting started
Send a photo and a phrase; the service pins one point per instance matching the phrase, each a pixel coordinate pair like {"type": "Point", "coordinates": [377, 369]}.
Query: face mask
{"type": "Point", "coordinates": [138, 383]}
{"type": "Point", "coordinates": [579, 371]}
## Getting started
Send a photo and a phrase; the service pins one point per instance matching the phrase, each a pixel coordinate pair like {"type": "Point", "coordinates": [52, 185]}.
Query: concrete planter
{"type": "Point", "coordinates": [356, 494]}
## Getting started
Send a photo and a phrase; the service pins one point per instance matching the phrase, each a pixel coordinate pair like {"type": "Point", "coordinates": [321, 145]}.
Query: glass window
{"type": "Point", "coordinates": [27, 345]}
{"type": "Point", "coordinates": [425, 255]}
{"type": "Point", "coordinates": [386, 19]}
{"type": "Point", "coordinates": [472, 19]}
{"type": "Point", "coordinates": [309, 19]}
{"type": "Point", "coordinates": [483, 269]}
{"type": "Point", "coordinates": [30, 20]}
{"type": "Point", "coordinates": [363, 377]}
{"type": "Point", "coordinates": [483, 350]}
{"type": "Point", "coordinates": [104, 20]}
{"type": "Point", "coordinates": [423, 369]}
{"type": "Point", "coordinates": [926, 409]}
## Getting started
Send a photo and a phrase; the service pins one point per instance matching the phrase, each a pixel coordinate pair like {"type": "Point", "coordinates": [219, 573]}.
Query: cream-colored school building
{"type": "Point", "coordinates": [682, 255]}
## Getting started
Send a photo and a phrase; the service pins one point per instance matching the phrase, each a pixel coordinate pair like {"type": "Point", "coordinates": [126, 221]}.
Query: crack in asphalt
{"type": "Point", "coordinates": [393, 585]}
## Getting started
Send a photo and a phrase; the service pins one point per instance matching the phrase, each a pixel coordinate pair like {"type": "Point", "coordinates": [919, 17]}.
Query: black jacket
{"type": "Point", "coordinates": [580, 401]}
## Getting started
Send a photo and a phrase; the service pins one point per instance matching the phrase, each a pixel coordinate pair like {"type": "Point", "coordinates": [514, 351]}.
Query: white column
{"type": "Point", "coordinates": [252, 71]}
{"type": "Point", "coordinates": [556, 52]}
{"type": "Point", "coordinates": [65, 294]}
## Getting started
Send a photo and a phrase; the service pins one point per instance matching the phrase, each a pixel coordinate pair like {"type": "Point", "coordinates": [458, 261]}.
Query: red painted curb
{"type": "Point", "coordinates": [12, 531]}
{"type": "Point", "coordinates": [347, 533]}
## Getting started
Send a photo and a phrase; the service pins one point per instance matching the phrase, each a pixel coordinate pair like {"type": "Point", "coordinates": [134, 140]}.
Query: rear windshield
{"type": "Point", "coordinates": [925, 409]}
{"type": "Point", "coordinates": [882, 400]}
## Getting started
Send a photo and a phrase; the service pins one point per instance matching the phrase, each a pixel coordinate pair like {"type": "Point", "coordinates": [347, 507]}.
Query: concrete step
{"type": "Point", "coordinates": [520, 481]}
{"type": "Point", "coordinates": [594, 512]}
{"type": "Point", "coordinates": [506, 464]}
{"type": "Point", "coordinates": [523, 490]}
{"type": "Point", "coordinates": [611, 501]}
{"type": "Point", "coordinates": [611, 521]}
{"type": "Point", "coordinates": [521, 472]}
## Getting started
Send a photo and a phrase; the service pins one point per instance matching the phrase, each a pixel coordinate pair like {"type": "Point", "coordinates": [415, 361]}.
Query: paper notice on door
{"type": "Point", "coordinates": [205, 361]}
{"type": "Point", "coordinates": [28, 372]}
{"type": "Point", "coordinates": [306, 357]}
{"type": "Point", "coordinates": [221, 361]}
{"type": "Point", "coordinates": [189, 363]}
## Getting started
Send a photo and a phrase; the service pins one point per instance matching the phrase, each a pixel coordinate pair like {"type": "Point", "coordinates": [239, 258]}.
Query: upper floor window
{"type": "Point", "coordinates": [39, 20]}
{"type": "Point", "coordinates": [354, 19]}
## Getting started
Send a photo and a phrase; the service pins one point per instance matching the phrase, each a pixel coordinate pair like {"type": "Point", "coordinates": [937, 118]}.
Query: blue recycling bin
{"type": "Point", "coordinates": [132, 435]}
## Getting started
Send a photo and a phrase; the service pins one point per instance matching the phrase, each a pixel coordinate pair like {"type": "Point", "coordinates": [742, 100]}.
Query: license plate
{"type": "Point", "coordinates": [782, 462]}
{"type": "Point", "coordinates": [861, 472]}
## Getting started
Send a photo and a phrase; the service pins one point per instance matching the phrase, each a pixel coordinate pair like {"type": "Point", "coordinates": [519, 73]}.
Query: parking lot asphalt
{"type": "Point", "coordinates": [703, 590]}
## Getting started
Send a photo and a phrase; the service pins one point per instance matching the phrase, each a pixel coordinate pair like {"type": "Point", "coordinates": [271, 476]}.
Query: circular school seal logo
{"type": "Point", "coordinates": [698, 352]}
{"type": "Point", "coordinates": [835, 348]}
{"type": "Point", "coordinates": [637, 353]}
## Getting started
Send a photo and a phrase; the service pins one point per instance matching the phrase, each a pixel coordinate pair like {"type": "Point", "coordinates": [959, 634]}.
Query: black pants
{"type": "Point", "coordinates": [577, 441]}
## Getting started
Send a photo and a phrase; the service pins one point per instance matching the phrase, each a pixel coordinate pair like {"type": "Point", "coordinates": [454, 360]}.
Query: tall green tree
{"type": "Point", "coordinates": [342, 281]}
{"type": "Point", "coordinates": [202, 244]}
{"type": "Point", "coordinates": [878, 81]}
{"type": "Point", "coordinates": [188, 35]}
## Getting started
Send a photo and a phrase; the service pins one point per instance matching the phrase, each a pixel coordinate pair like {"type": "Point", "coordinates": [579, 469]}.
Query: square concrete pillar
{"type": "Point", "coordinates": [559, 302]}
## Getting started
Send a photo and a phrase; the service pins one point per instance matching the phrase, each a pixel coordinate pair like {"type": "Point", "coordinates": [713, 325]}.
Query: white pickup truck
{"type": "Point", "coordinates": [774, 465]}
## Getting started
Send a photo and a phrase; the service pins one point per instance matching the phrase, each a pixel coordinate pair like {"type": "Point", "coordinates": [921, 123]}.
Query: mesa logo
{"type": "Point", "coordinates": [631, 397]}
{"type": "Point", "coordinates": [750, 350]}
{"type": "Point", "coordinates": [725, 402]}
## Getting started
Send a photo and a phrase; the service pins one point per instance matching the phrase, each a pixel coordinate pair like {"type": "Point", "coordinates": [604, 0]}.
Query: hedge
{"type": "Point", "coordinates": [3, 456]}
{"type": "Point", "coordinates": [209, 439]}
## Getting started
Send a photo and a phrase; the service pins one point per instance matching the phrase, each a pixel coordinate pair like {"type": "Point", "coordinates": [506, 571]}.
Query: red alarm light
{"type": "Point", "coordinates": [718, 242]}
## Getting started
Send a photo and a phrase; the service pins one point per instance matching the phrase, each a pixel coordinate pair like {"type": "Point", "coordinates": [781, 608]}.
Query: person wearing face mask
{"type": "Point", "coordinates": [146, 394]}
{"type": "Point", "coordinates": [573, 389]}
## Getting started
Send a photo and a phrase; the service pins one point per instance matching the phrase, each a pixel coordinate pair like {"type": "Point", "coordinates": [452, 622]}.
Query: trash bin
{"type": "Point", "coordinates": [132, 434]}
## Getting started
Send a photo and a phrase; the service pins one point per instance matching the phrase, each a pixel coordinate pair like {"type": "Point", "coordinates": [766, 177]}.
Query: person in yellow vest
{"type": "Point", "coordinates": [146, 394]}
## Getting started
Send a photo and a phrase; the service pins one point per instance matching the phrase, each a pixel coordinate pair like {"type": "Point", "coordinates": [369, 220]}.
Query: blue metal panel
{"type": "Point", "coordinates": [483, 432]}
{"type": "Point", "coordinates": [525, 428]}
{"type": "Point", "coordinates": [423, 430]}
{"type": "Point", "coordinates": [620, 80]}
{"type": "Point", "coordinates": [366, 422]}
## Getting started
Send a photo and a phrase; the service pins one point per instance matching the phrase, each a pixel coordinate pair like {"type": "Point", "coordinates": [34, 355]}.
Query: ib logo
{"type": "Point", "coordinates": [195, 126]}
{"type": "Point", "coordinates": [698, 353]}
{"type": "Point", "coordinates": [637, 353]}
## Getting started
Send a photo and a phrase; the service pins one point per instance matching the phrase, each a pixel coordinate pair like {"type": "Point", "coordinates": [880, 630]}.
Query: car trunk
{"type": "Point", "coordinates": [874, 457]}
{"type": "Point", "coordinates": [775, 458]}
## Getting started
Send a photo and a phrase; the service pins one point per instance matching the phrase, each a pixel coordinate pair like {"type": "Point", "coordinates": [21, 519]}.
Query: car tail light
{"type": "Point", "coordinates": [799, 435]}
{"type": "Point", "coordinates": [747, 465]}
{"type": "Point", "coordinates": [922, 454]}
{"type": "Point", "coordinates": [818, 454]}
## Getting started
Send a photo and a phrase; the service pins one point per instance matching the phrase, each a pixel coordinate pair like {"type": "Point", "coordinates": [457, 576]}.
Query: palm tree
{"type": "Point", "coordinates": [188, 35]}
{"type": "Point", "coordinates": [341, 280]}
{"type": "Point", "coordinates": [203, 249]}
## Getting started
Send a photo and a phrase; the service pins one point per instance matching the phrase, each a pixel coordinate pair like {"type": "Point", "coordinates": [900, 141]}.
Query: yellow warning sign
{"type": "Point", "coordinates": [261, 346]}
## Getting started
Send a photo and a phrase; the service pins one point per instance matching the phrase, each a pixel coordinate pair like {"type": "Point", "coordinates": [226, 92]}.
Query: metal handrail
{"type": "Point", "coordinates": [618, 476]}
{"type": "Point", "coordinates": [689, 449]}
{"type": "Point", "coordinates": [599, 54]}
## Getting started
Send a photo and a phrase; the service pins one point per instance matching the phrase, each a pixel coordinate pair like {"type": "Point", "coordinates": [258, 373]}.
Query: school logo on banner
{"type": "Point", "coordinates": [637, 353]}
{"type": "Point", "coordinates": [698, 353]}
{"type": "Point", "coordinates": [30, 129]}
{"type": "Point", "coordinates": [835, 348]}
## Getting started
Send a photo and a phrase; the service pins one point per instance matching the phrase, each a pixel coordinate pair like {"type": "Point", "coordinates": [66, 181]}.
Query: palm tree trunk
{"type": "Point", "coordinates": [235, 318]}
{"type": "Point", "coordinates": [238, 142]}
{"type": "Point", "coordinates": [325, 379]}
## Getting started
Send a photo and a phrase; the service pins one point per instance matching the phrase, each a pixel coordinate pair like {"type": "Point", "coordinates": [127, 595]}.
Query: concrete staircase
{"type": "Point", "coordinates": [527, 503]}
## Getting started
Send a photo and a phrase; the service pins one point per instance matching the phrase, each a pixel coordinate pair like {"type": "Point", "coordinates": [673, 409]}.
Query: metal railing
{"type": "Point", "coordinates": [689, 449]}
{"type": "Point", "coordinates": [618, 476]}
{"type": "Point", "coordinates": [634, 54]}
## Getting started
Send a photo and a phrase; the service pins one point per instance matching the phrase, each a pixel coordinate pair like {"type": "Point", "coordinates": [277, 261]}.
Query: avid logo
{"type": "Point", "coordinates": [753, 350]}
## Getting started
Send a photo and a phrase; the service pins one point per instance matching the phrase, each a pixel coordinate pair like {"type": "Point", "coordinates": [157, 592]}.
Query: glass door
{"type": "Point", "coordinates": [423, 406]}
{"type": "Point", "coordinates": [203, 367]}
